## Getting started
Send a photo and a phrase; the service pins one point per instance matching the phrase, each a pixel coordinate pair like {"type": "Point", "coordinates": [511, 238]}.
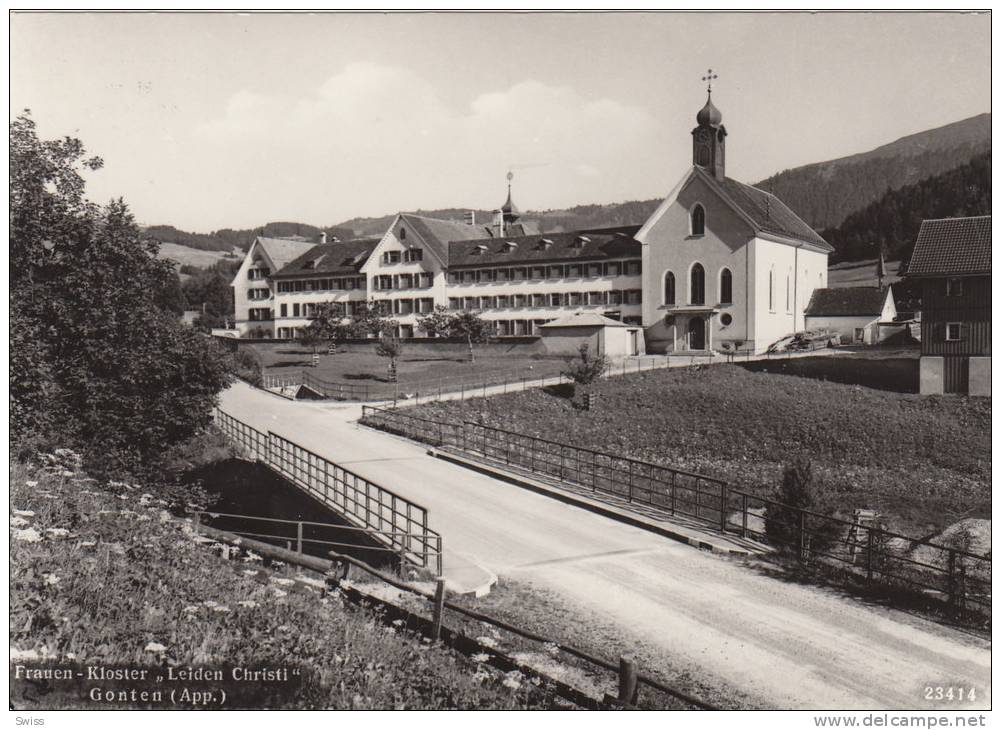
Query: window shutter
{"type": "Point", "coordinates": [964, 331]}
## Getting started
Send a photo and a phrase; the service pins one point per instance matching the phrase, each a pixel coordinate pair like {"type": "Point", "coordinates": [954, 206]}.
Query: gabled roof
{"type": "Point", "coordinates": [765, 212]}
{"type": "Point", "coordinates": [436, 234]}
{"type": "Point", "coordinates": [584, 319]}
{"type": "Point", "coordinates": [282, 250]}
{"type": "Point", "coordinates": [952, 247]}
{"type": "Point", "coordinates": [594, 245]}
{"type": "Point", "coordinates": [338, 258]}
{"type": "Point", "coordinates": [859, 301]}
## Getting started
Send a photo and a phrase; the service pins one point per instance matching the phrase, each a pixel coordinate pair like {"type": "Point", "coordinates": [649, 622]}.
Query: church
{"type": "Point", "coordinates": [719, 266]}
{"type": "Point", "coordinates": [726, 266]}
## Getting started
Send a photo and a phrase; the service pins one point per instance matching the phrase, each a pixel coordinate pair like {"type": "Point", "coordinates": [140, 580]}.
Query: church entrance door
{"type": "Point", "coordinates": [696, 333]}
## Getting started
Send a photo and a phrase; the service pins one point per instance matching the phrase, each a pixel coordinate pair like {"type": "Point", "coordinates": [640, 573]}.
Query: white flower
{"type": "Point", "coordinates": [24, 513]}
{"type": "Point", "coordinates": [153, 646]}
{"type": "Point", "coordinates": [481, 658]}
{"type": "Point", "coordinates": [279, 592]}
{"type": "Point", "coordinates": [398, 622]}
{"type": "Point", "coordinates": [67, 473]}
{"type": "Point", "coordinates": [58, 532]}
{"type": "Point", "coordinates": [29, 535]}
{"type": "Point", "coordinates": [282, 581]}
{"type": "Point", "coordinates": [487, 641]}
{"type": "Point", "coordinates": [31, 483]}
{"type": "Point", "coordinates": [18, 522]}
{"type": "Point", "coordinates": [50, 578]}
{"type": "Point", "coordinates": [88, 543]}
{"type": "Point", "coordinates": [247, 604]}
{"type": "Point", "coordinates": [252, 557]}
{"type": "Point", "coordinates": [512, 680]}
{"type": "Point", "coordinates": [191, 609]}
{"type": "Point", "coordinates": [70, 655]}
{"type": "Point", "coordinates": [250, 572]}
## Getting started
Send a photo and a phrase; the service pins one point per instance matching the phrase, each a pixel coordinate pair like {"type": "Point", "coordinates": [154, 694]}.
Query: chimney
{"type": "Point", "coordinates": [323, 236]}
{"type": "Point", "coordinates": [471, 217]}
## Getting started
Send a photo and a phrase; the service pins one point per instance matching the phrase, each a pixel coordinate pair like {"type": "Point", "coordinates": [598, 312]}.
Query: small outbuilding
{"type": "Point", "coordinates": [862, 315]}
{"type": "Point", "coordinates": [604, 335]}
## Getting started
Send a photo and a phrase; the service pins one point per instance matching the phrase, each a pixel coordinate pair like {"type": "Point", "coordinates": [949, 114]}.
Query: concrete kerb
{"type": "Point", "coordinates": [694, 538]}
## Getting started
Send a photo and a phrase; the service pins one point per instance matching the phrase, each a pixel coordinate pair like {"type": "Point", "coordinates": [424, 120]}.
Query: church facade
{"type": "Point", "coordinates": [726, 266]}
{"type": "Point", "coordinates": [719, 266]}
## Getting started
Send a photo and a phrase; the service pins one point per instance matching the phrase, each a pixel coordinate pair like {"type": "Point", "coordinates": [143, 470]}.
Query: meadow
{"type": "Point", "coordinates": [922, 462]}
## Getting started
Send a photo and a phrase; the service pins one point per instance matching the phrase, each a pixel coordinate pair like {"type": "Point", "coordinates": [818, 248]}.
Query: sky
{"type": "Point", "coordinates": [229, 120]}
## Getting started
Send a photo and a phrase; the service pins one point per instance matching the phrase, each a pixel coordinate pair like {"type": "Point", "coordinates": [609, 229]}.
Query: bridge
{"type": "Point", "coordinates": [786, 645]}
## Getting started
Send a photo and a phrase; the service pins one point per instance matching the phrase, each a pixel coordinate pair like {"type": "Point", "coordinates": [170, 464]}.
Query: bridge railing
{"type": "Point", "coordinates": [871, 555]}
{"type": "Point", "coordinates": [395, 521]}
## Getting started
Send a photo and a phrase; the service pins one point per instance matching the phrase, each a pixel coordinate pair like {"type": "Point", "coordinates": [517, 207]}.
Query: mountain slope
{"type": "Point", "coordinates": [825, 193]}
{"type": "Point", "coordinates": [892, 222]}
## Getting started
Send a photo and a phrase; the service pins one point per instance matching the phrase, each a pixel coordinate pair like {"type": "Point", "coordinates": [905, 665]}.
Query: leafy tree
{"type": "Point", "coordinates": [390, 346]}
{"type": "Point", "coordinates": [311, 337]}
{"type": "Point", "coordinates": [462, 324]}
{"type": "Point", "coordinates": [97, 363]}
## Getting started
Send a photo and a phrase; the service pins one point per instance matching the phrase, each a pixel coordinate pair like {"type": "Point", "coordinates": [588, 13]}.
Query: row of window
{"type": "Point", "coordinates": [260, 314]}
{"type": "Point", "coordinates": [592, 270]}
{"type": "Point", "coordinates": [256, 295]}
{"type": "Point", "coordinates": [697, 286]}
{"type": "Point", "coordinates": [309, 309]}
{"type": "Point", "coordinates": [258, 273]}
{"type": "Point", "coordinates": [342, 284]}
{"type": "Point", "coordinates": [411, 255]}
{"type": "Point", "coordinates": [553, 299]}
{"type": "Point", "coordinates": [423, 280]}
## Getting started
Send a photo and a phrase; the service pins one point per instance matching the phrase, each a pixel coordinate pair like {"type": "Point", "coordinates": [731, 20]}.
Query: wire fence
{"type": "Point", "coordinates": [394, 521]}
{"type": "Point", "coordinates": [865, 553]}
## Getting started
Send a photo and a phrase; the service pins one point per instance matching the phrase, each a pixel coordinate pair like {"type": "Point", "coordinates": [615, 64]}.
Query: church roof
{"type": "Point", "coordinates": [709, 115]}
{"type": "Point", "coordinates": [765, 212]}
{"type": "Point", "coordinates": [859, 301]}
{"type": "Point", "coordinates": [338, 258]}
{"type": "Point", "coordinates": [509, 206]}
{"type": "Point", "coordinates": [952, 247]}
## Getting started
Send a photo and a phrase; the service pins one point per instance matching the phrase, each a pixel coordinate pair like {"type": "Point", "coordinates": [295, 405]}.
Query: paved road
{"type": "Point", "coordinates": [790, 645]}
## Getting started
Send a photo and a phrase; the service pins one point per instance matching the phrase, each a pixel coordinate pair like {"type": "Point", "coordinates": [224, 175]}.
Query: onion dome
{"type": "Point", "coordinates": [709, 115]}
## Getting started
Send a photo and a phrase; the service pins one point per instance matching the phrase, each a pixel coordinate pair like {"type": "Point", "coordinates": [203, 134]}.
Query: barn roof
{"type": "Point", "coordinates": [339, 257]}
{"type": "Point", "coordinates": [859, 301]}
{"type": "Point", "coordinates": [952, 247]}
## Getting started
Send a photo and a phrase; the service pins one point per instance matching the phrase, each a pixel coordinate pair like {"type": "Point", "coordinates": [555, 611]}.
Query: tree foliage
{"type": "Point", "coordinates": [99, 361]}
{"type": "Point", "coordinates": [461, 324]}
{"type": "Point", "coordinates": [390, 347]}
{"type": "Point", "coordinates": [586, 367]}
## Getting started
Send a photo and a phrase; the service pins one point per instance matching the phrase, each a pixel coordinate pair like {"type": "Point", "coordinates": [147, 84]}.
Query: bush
{"type": "Point", "coordinates": [783, 524]}
{"type": "Point", "coordinates": [247, 366]}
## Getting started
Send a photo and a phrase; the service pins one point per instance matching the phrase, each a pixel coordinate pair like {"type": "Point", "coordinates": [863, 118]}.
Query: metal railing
{"type": "Point", "coordinates": [393, 520]}
{"type": "Point", "coordinates": [871, 555]}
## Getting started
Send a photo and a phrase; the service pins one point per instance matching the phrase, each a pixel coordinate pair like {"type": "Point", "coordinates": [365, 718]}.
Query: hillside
{"type": "Point", "coordinates": [892, 222]}
{"type": "Point", "coordinates": [824, 194]}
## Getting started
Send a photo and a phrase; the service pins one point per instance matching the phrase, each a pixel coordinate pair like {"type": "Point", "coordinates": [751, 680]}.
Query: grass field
{"type": "Point", "coordinates": [105, 576]}
{"type": "Point", "coordinates": [423, 367]}
{"type": "Point", "coordinates": [923, 462]}
{"type": "Point", "coordinates": [884, 368]}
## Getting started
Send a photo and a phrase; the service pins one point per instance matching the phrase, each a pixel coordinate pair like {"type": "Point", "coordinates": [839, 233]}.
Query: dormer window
{"type": "Point", "coordinates": [509, 246]}
{"type": "Point", "coordinates": [479, 250]}
{"type": "Point", "coordinates": [310, 264]}
{"type": "Point", "coordinates": [545, 243]}
{"type": "Point", "coordinates": [579, 241]}
{"type": "Point", "coordinates": [698, 220]}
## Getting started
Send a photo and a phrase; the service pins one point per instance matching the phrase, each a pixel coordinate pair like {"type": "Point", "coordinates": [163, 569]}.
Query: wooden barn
{"type": "Point", "coordinates": [952, 261]}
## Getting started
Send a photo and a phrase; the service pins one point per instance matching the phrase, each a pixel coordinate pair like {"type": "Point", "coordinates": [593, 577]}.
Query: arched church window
{"type": "Point", "coordinates": [725, 287]}
{"type": "Point", "coordinates": [669, 288]}
{"type": "Point", "coordinates": [698, 285]}
{"type": "Point", "coordinates": [698, 220]}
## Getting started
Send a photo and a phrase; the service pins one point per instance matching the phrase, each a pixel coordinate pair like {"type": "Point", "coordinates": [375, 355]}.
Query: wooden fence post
{"type": "Point", "coordinates": [628, 689]}
{"type": "Point", "coordinates": [802, 535]}
{"type": "Point", "coordinates": [439, 608]}
{"type": "Point", "coordinates": [868, 556]}
{"type": "Point", "coordinates": [722, 508]}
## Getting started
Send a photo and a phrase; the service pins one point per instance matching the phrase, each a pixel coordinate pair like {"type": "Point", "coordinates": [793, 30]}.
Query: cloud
{"type": "Point", "coordinates": [375, 139]}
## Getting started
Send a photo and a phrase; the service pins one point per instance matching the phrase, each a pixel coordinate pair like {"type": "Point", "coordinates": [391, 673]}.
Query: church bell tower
{"type": "Point", "coordinates": [709, 138]}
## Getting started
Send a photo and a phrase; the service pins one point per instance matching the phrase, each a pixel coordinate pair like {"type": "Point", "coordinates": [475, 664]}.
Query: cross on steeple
{"type": "Point", "coordinates": [709, 77]}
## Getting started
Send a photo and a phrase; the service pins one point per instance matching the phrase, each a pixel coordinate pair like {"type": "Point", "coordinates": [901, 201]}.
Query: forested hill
{"type": "Point", "coordinates": [228, 238]}
{"type": "Point", "coordinates": [632, 212]}
{"type": "Point", "coordinates": [824, 194]}
{"type": "Point", "coordinates": [893, 221]}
